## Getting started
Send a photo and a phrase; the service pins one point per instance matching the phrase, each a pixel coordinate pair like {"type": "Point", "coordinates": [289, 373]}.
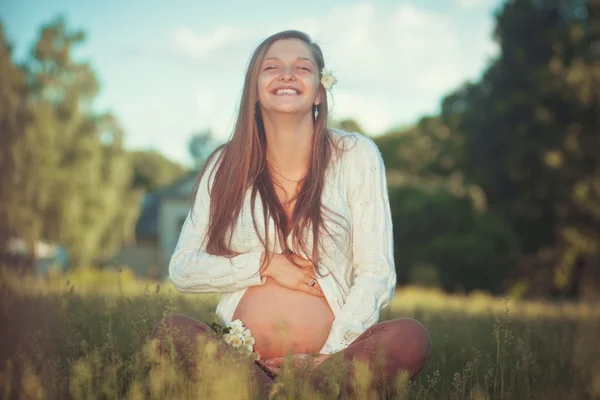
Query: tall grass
{"type": "Point", "coordinates": [85, 335]}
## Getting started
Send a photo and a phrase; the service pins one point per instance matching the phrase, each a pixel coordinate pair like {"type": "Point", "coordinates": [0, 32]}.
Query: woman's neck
{"type": "Point", "coordinates": [289, 144]}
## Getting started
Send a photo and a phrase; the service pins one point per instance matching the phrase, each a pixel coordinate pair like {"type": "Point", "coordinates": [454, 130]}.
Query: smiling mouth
{"type": "Point", "coordinates": [286, 92]}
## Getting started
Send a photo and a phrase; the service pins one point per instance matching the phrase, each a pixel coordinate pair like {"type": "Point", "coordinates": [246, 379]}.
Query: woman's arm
{"type": "Point", "coordinates": [193, 270]}
{"type": "Point", "coordinates": [373, 248]}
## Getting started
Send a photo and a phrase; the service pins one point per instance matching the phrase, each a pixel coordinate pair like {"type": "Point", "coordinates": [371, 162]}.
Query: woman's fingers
{"type": "Point", "coordinates": [300, 279]}
{"type": "Point", "coordinates": [274, 367]}
{"type": "Point", "coordinates": [314, 290]}
{"type": "Point", "coordinates": [280, 361]}
{"type": "Point", "coordinates": [313, 283]}
{"type": "Point", "coordinates": [304, 263]}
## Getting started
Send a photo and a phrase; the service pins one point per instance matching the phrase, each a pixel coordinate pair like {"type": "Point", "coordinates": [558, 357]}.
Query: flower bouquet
{"type": "Point", "coordinates": [238, 337]}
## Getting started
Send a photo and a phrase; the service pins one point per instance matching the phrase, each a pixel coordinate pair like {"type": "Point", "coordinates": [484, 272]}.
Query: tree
{"type": "Point", "coordinates": [152, 170]}
{"type": "Point", "coordinates": [70, 174]}
{"type": "Point", "coordinates": [426, 149]}
{"type": "Point", "coordinates": [200, 145]}
{"type": "Point", "coordinates": [529, 130]}
{"type": "Point", "coordinates": [350, 125]}
{"type": "Point", "coordinates": [13, 118]}
{"type": "Point", "coordinates": [444, 233]}
{"type": "Point", "coordinates": [467, 248]}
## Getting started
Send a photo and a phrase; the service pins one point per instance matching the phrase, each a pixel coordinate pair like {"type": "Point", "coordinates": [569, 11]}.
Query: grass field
{"type": "Point", "coordinates": [85, 335]}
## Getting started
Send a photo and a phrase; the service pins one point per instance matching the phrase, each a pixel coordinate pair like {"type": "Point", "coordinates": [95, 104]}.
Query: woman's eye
{"type": "Point", "coordinates": [304, 68]}
{"type": "Point", "coordinates": [270, 67]}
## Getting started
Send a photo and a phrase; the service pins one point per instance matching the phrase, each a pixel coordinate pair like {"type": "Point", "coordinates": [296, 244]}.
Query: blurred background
{"type": "Point", "coordinates": [487, 114]}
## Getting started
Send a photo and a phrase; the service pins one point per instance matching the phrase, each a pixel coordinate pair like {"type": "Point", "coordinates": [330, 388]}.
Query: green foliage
{"type": "Point", "coordinates": [530, 127]}
{"type": "Point", "coordinates": [443, 231]}
{"type": "Point", "coordinates": [469, 249]}
{"type": "Point", "coordinates": [200, 145]}
{"type": "Point", "coordinates": [523, 144]}
{"type": "Point", "coordinates": [12, 122]}
{"type": "Point", "coordinates": [152, 170]}
{"type": "Point", "coordinates": [426, 150]}
{"type": "Point", "coordinates": [68, 179]}
{"type": "Point", "coordinates": [349, 125]}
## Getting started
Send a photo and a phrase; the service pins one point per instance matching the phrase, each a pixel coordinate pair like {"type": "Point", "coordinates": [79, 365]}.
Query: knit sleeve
{"type": "Point", "coordinates": [192, 269]}
{"type": "Point", "coordinates": [374, 271]}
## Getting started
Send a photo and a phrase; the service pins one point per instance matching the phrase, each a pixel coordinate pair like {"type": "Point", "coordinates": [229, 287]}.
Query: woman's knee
{"type": "Point", "coordinates": [180, 324]}
{"type": "Point", "coordinates": [408, 339]}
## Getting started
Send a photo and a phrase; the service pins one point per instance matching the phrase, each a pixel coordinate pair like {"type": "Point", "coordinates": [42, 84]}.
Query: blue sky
{"type": "Point", "coordinates": [168, 69]}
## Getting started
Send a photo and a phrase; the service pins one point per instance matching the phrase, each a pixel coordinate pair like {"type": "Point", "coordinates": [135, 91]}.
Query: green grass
{"type": "Point", "coordinates": [85, 335]}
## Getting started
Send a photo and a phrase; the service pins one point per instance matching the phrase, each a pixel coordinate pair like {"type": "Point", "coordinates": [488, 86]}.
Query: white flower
{"type": "Point", "coordinates": [233, 340]}
{"type": "Point", "coordinates": [237, 327]}
{"type": "Point", "coordinates": [248, 338]}
{"type": "Point", "coordinates": [241, 338]}
{"type": "Point", "coordinates": [237, 324]}
{"type": "Point", "coordinates": [328, 79]}
{"type": "Point", "coordinates": [237, 331]}
{"type": "Point", "coordinates": [228, 337]}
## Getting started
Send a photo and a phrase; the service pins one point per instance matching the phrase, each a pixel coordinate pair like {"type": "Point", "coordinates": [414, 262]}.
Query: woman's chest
{"type": "Point", "coordinates": [335, 230]}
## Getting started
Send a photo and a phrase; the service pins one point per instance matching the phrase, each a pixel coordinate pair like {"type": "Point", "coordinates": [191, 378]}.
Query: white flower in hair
{"type": "Point", "coordinates": [328, 79]}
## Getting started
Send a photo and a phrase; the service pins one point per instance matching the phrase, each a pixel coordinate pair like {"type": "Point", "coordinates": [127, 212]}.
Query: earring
{"type": "Point", "coordinates": [316, 112]}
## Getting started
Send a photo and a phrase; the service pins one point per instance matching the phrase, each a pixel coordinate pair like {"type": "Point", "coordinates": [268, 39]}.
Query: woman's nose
{"type": "Point", "coordinates": [287, 73]}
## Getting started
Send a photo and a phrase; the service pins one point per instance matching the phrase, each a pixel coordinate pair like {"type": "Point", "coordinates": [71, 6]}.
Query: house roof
{"type": "Point", "coordinates": [147, 224]}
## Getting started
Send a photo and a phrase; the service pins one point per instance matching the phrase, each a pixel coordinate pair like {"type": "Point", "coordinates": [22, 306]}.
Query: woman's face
{"type": "Point", "coordinates": [288, 81]}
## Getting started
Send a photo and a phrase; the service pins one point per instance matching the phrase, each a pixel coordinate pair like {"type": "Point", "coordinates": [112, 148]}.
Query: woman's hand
{"type": "Point", "coordinates": [275, 364]}
{"type": "Point", "coordinates": [292, 277]}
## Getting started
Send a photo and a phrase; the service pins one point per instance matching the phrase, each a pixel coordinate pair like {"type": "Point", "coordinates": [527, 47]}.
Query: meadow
{"type": "Point", "coordinates": [84, 335]}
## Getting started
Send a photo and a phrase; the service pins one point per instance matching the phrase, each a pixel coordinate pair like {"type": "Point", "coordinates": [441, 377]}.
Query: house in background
{"type": "Point", "coordinates": [157, 229]}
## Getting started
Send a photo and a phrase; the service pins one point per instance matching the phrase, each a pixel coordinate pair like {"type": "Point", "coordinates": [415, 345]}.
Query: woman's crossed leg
{"type": "Point", "coordinates": [386, 348]}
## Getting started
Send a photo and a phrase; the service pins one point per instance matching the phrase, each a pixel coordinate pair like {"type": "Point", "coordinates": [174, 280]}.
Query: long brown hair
{"type": "Point", "coordinates": [242, 162]}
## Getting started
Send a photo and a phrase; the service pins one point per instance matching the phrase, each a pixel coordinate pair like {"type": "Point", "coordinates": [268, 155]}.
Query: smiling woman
{"type": "Point", "coordinates": [299, 322]}
{"type": "Point", "coordinates": [289, 79]}
{"type": "Point", "coordinates": [308, 269]}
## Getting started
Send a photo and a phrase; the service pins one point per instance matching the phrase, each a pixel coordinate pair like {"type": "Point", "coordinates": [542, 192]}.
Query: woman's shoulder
{"type": "Point", "coordinates": [355, 146]}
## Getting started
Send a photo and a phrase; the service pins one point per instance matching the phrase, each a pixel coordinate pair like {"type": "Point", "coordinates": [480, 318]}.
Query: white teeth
{"type": "Point", "coordinates": [286, 91]}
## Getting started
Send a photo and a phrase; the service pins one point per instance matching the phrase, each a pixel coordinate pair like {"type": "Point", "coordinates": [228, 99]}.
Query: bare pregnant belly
{"type": "Point", "coordinates": [284, 321]}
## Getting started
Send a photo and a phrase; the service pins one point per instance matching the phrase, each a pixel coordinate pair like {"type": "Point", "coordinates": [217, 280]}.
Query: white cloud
{"type": "Point", "coordinates": [395, 47]}
{"type": "Point", "coordinates": [186, 41]}
{"type": "Point", "coordinates": [398, 60]}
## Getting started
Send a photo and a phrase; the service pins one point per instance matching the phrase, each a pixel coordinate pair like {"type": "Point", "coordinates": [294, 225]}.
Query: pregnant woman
{"type": "Point", "coordinates": [291, 224]}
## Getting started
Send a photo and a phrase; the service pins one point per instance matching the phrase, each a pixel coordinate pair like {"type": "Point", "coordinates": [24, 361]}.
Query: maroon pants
{"type": "Point", "coordinates": [387, 348]}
